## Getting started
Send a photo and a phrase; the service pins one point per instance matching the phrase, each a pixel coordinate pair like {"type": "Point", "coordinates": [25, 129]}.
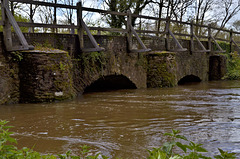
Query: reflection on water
{"type": "Point", "coordinates": [125, 123]}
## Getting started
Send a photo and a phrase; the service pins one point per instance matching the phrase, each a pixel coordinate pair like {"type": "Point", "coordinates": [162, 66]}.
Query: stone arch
{"type": "Point", "coordinates": [110, 82]}
{"type": "Point", "coordinates": [188, 79]}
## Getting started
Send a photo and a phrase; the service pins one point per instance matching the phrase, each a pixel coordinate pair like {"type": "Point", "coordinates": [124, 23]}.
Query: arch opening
{"type": "Point", "coordinates": [111, 82]}
{"type": "Point", "coordinates": [189, 79]}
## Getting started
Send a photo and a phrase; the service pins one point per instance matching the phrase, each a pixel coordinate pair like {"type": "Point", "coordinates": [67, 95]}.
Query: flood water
{"type": "Point", "coordinates": [125, 123]}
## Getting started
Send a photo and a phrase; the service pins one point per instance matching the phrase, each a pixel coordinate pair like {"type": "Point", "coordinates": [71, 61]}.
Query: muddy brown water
{"type": "Point", "coordinates": [125, 123]}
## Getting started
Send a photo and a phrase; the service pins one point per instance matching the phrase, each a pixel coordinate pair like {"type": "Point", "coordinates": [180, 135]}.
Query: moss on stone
{"type": "Point", "coordinates": [161, 70]}
{"type": "Point", "coordinates": [142, 61]}
{"type": "Point", "coordinates": [92, 62]}
{"type": "Point", "coordinates": [49, 77]}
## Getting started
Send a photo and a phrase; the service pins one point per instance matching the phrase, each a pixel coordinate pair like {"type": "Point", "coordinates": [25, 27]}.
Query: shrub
{"type": "Point", "coordinates": [190, 151]}
{"type": "Point", "coordinates": [233, 67]}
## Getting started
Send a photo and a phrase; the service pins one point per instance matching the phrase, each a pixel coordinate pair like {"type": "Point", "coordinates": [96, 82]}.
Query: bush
{"type": "Point", "coordinates": [190, 151]}
{"type": "Point", "coordinates": [233, 67]}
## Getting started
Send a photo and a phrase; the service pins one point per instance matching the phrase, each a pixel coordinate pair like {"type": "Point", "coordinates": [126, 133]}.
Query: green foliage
{"type": "Point", "coordinates": [18, 18]}
{"type": "Point", "coordinates": [45, 45]}
{"type": "Point", "coordinates": [93, 61]}
{"type": "Point", "coordinates": [225, 155]}
{"type": "Point", "coordinates": [225, 46]}
{"type": "Point", "coordinates": [236, 25]}
{"type": "Point", "coordinates": [6, 150]}
{"type": "Point", "coordinates": [16, 56]}
{"type": "Point", "coordinates": [63, 66]}
{"type": "Point", "coordinates": [233, 67]}
{"type": "Point", "coordinates": [84, 154]}
{"type": "Point", "coordinates": [190, 151]}
{"type": "Point", "coordinates": [11, 152]}
{"type": "Point", "coordinates": [136, 6]}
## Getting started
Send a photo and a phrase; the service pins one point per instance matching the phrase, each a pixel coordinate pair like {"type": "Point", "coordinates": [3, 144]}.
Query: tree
{"type": "Point", "coordinates": [178, 11]}
{"type": "Point", "coordinates": [18, 18]}
{"type": "Point", "coordinates": [67, 13]}
{"type": "Point", "coordinates": [203, 8]}
{"type": "Point", "coordinates": [236, 25]}
{"type": "Point", "coordinates": [46, 15]}
{"type": "Point", "coordinates": [230, 9]}
{"type": "Point", "coordinates": [136, 6]}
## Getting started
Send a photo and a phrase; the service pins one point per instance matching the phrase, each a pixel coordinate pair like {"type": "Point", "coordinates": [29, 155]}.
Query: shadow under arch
{"type": "Point", "coordinates": [110, 82]}
{"type": "Point", "coordinates": [189, 79]}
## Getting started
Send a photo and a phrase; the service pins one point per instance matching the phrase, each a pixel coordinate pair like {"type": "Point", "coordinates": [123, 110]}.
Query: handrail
{"type": "Point", "coordinates": [8, 21]}
{"type": "Point", "coordinates": [113, 13]}
{"type": "Point", "coordinates": [209, 35]}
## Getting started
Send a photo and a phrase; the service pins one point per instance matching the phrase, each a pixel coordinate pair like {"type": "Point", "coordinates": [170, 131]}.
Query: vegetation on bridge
{"type": "Point", "coordinates": [190, 151]}
{"type": "Point", "coordinates": [233, 66]}
{"type": "Point", "coordinates": [233, 61]}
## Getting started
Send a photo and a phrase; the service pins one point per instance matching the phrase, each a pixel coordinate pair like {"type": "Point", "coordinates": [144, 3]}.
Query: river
{"type": "Point", "coordinates": [124, 123]}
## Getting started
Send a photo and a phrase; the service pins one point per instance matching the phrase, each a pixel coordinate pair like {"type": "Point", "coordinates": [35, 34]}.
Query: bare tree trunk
{"type": "Point", "coordinates": [230, 11]}
{"type": "Point", "coordinates": [31, 29]}
{"type": "Point", "coordinates": [160, 16]}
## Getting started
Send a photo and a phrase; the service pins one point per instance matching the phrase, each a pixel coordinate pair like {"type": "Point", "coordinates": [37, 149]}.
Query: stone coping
{"type": "Point", "coordinates": [160, 53]}
{"type": "Point", "coordinates": [45, 51]}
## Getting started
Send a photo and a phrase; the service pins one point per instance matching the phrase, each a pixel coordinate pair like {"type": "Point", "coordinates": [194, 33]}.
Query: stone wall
{"type": "Point", "coordinates": [34, 77]}
{"type": "Point", "coordinates": [66, 42]}
{"type": "Point", "coordinates": [9, 81]}
{"type": "Point", "coordinates": [45, 76]}
{"type": "Point", "coordinates": [162, 70]}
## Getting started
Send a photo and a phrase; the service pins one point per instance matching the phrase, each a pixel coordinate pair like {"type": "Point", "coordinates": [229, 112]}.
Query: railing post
{"type": "Point", "coordinates": [6, 25]}
{"type": "Point", "coordinates": [72, 31]}
{"type": "Point", "coordinates": [209, 38]}
{"type": "Point", "coordinates": [129, 30]}
{"type": "Point", "coordinates": [80, 28]}
{"type": "Point", "coordinates": [231, 40]}
{"type": "Point", "coordinates": [55, 30]}
{"type": "Point", "coordinates": [192, 41]}
{"type": "Point", "coordinates": [167, 34]}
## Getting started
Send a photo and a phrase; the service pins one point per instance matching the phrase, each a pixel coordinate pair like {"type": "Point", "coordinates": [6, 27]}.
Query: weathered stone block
{"type": "Point", "coordinates": [161, 70]}
{"type": "Point", "coordinates": [45, 76]}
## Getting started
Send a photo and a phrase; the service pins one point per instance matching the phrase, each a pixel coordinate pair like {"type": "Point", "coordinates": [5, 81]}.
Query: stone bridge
{"type": "Point", "coordinates": [49, 74]}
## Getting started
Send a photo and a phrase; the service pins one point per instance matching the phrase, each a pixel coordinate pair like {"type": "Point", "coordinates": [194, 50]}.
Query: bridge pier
{"type": "Point", "coordinates": [162, 69]}
{"type": "Point", "coordinates": [45, 76]}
